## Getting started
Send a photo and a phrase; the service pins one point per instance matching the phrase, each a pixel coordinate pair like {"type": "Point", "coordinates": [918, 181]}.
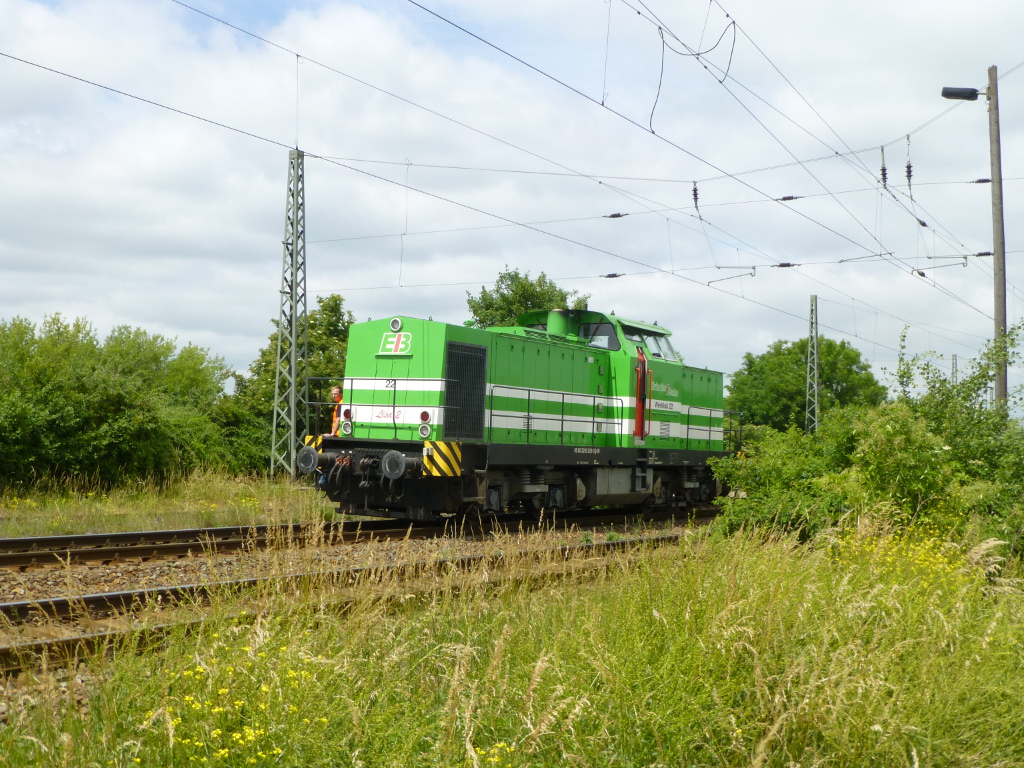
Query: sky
{"type": "Point", "coordinates": [144, 164]}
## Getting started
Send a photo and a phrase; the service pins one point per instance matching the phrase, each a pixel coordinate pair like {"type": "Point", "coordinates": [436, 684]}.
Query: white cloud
{"type": "Point", "coordinates": [125, 213]}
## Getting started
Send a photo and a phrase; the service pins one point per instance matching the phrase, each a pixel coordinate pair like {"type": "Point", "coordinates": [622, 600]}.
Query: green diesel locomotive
{"type": "Point", "coordinates": [568, 409]}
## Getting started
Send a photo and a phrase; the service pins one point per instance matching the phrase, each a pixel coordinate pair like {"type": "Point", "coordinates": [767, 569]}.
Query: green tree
{"type": "Point", "coordinates": [771, 388]}
{"type": "Point", "coordinates": [515, 293]}
{"type": "Point", "coordinates": [327, 340]}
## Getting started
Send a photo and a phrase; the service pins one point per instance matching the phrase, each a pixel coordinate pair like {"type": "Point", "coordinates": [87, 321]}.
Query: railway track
{"type": "Point", "coordinates": [142, 546]}
{"type": "Point", "coordinates": [56, 551]}
{"type": "Point", "coordinates": [93, 608]}
{"type": "Point", "coordinates": [74, 625]}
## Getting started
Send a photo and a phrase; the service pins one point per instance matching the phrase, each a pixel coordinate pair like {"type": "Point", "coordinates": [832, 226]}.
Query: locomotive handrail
{"type": "Point", "coordinates": [531, 418]}
{"type": "Point", "coordinates": [732, 430]}
{"type": "Point", "coordinates": [703, 432]}
{"type": "Point", "coordinates": [317, 406]}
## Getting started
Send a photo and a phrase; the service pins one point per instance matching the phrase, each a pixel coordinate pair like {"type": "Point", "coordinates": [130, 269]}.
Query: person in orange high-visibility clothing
{"type": "Point", "coordinates": [336, 417]}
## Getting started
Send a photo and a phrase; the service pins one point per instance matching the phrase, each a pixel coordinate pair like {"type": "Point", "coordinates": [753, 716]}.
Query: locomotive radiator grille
{"type": "Point", "coordinates": [442, 459]}
{"type": "Point", "coordinates": [465, 387]}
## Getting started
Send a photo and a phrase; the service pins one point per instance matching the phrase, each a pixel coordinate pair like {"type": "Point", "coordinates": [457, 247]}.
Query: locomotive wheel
{"type": "Point", "coordinates": [469, 517]}
{"type": "Point", "coordinates": [704, 492]}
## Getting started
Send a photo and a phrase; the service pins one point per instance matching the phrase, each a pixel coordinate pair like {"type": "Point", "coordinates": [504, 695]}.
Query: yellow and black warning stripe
{"type": "Point", "coordinates": [442, 459]}
{"type": "Point", "coordinates": [313, 440]}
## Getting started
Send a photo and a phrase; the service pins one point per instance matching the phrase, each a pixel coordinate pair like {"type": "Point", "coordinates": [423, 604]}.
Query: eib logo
{"type": "Point", "coordinates": [396, 344]}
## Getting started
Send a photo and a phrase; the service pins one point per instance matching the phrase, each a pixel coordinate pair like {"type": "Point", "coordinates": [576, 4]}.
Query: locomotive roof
{"type": "Point", "coordinates": [655, 328]}
{"type": "Point", "coordinates": [539, 316]}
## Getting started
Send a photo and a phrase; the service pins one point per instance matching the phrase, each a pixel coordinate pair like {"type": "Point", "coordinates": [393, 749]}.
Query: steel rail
{"type": "Point", "coordinates": [55, 551]}
{"type": "Point", "coordinates": [145, 545]}
{"type": "Point", "coordinates": [17, 656]}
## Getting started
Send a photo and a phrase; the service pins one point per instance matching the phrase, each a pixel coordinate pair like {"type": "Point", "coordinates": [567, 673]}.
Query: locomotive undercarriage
{"type": "Point", "coordinates": [402, 480]}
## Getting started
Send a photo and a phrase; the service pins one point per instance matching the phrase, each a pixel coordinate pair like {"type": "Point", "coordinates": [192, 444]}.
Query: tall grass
{"type": "Point", "coordinates": [865, 650]}
{"type": "Point", "coordinates": [199, 500]}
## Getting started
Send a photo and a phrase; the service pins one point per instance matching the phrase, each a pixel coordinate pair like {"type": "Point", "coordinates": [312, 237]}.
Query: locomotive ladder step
{"type": "Point", "coordinates": [640, 467]}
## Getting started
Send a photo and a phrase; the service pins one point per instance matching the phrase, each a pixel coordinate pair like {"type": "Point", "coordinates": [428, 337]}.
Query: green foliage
{"type": "Point", "coordinates": [884, 459]}
{"type": "Point", "coordinates": [771, 388]}
{"type": "Point", "coordinates": [984, 440]}
{"type": "Point", "coordinates": [131, 406]}
{"type": "Point", "coordinates": [899, 459]}
{"type": "Point", "coordinates": [246, 436]}
{"type": "Point", "coordinates": [516, 293]}
{"type": "Point", "coordinates": [939, 454]}
{"type": "Point", "coordinates": [249, 421]}
{"type": "Point", "coordinates": [987, 441]}
{"type": "Point", "coordinates": [327, 328]}
{"type": "Point", "coordinates": [776, 479]}
{"type": "Point", "coordinates": [134, 406]}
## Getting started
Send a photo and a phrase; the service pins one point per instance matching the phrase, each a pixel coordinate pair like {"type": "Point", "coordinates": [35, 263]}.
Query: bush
{"type": "Point", "coordinates": [131, 406]}
{"type": "Point", "coordinates": [776, 482]}
{"type": "Point", "coordinates": [940, 454]}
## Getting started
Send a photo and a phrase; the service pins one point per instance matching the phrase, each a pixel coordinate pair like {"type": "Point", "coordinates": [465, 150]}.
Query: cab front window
{"type": "Point", "coordinates": [659, 346]}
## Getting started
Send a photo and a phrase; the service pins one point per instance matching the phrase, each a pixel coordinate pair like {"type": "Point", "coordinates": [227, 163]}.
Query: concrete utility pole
{"type": "Point", "coordinates": [813, 381]}
{"type": "Point", "coordinates": [291, 383]}
{"type": "Point", "coordinates": [998, 237]}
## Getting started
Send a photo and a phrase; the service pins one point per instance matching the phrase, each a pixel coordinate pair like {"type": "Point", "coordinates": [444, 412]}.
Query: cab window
{"type": "Point", "coordinates": [667, 344]}
{"type": "Point", "coordinates": [659, 347]}
{"type": "Point", "coordinates": [632, 334]}
{"type": "Point", "coordinates": [600, 335]}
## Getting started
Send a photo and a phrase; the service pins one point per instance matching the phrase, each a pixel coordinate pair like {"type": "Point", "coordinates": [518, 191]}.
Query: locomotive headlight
{"type": "Point", "coordinates": [396, 324]}
{"type": "Point", "coordinates": [425, 417]}
{"type": "Point", "coordinates": [346, 428]}
{"type": "Point", "coordinates": [346, 414]}
{"type": "Point", "coordinates": [424, 431]}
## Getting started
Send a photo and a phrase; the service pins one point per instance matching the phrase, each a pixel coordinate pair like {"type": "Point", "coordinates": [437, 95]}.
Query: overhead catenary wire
{"type": "Point", "coordinates": [405, 100]}
{"type": "Point", "coordinates": [606, 177]}
{"type": "Point", "coordinates": [913, 203]}
{"type": "Point", "coordinates": [756, 252]}
{"type": "Point", "coordinates": [379, 178]}
{"type": "Point", "coordinates": [733, 25]}
{"type": "Point", "coordinates": [256, 136]}
{"type": "Point", "coordinates": [850, 152]}
{"type": "Point", "coordinates": [183, 113]}
{"type": "Point", "coordinates": [310, 154]}
{"type": "Point", "coordinates": [908, 268]}
{"type": "Point", "coordinates": [388, 93]}
{"type": "Point", "coordinates": [589, 175]}
{"type": "Point", "coordinates": [662, 29]}
{"type": "Point", "coordinates": [281, 144]}
{"type": "Point", "coordinates": [623, 116]}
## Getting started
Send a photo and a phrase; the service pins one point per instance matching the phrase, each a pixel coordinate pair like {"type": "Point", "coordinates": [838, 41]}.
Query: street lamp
{"type": "Point", "coordinates": [998, 239]}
